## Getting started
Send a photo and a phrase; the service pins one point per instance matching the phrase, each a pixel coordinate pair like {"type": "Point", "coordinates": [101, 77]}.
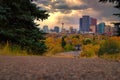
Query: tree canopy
{"type": "Point", "coordinates": [17, 24]}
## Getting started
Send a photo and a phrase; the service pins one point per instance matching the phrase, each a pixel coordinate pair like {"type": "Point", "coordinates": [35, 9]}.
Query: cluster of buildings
{"type": "Point", "coordinates": [87, 25]}
{"type": "Point", "coordinates": [58, 30]}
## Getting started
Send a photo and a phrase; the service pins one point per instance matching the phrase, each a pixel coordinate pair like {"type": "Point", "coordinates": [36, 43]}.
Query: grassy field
{"type": "Point", "coordinates": [12, 51]}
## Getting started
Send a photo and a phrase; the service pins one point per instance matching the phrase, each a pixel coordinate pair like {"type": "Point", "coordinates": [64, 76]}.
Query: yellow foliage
{"type": "Point", "coordinates": [111, 57]}
{"type": "Point", "coordinates": [6, 50]}
{"type": "Point", "coordinates": [75, 41]}
{"type": "Point", "coordinates": [54, 46]}
{"type": "Point", "coordinates": [89, 50]}
{"type": "Point", "coordinates": [115, 38]}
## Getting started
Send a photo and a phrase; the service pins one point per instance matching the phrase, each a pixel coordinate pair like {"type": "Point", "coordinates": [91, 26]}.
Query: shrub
{"type": "Point", "coordinates": [109, 47]}
{"type": "Point", "coordinates": [53, 45]}
{"type": "Point", "coordinates": [69, 47]}
{"type": "Point", "coordinates": [87, 41]}
{"type": "Point", "coordinates": [89, 50]}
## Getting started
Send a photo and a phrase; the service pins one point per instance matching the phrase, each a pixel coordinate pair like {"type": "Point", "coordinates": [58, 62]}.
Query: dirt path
{"type": "Point", "coordinates": [52, 68]}
{"type": "Point", "coordinates": [70, 54]}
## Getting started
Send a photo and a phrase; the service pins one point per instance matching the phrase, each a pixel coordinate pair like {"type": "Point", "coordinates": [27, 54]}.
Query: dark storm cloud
{"type": "Point", "coordinates": [67, 7]}
{"type": "Point", "coordinates": [61, 5]}
{"type": "Point", "coordinates": [106, 10]}
{"type": "Point", "coordinates": [44, 2]}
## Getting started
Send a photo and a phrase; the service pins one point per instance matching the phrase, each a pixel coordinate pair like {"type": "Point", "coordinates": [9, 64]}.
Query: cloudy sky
{"type": "Point", "coordinates": [69, 12]}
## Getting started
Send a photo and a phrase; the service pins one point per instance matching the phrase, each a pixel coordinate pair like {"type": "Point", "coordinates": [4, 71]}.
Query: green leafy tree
{"type": "Point", "coordinates": [117, 5]}
{"type": "Point", "coordinates": [17, 25]}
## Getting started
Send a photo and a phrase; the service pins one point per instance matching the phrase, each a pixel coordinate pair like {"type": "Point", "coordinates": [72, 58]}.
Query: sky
{"type": "Point", "coordinates": [70, 11]}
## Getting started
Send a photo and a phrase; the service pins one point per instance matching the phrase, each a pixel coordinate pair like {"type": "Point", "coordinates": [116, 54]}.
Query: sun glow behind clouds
{"type": "Point", "coordinates": [53, 20]}
{"type": "Point", "coordinates": [53, 0]}
{"type": "Point", "coordinates": [74, 2]}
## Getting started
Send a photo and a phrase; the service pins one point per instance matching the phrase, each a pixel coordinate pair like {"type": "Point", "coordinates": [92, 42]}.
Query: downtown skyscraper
{"type": "Point", "coordinates": [87, 24]}
{"type": "Point", "coordinates": [101, 28]}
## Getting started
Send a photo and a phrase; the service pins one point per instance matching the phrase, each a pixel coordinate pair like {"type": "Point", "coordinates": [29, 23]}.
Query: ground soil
{"type": "Point", "coordinates": [57, 68]}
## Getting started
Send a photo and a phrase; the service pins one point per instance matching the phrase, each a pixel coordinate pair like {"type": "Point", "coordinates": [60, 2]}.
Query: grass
{"type": "Point", "coordinates": [12, 50]}
{"type": "Point", "coordinates": [114, 57]}
{"type": "Point", "coordinates": [16, 51]}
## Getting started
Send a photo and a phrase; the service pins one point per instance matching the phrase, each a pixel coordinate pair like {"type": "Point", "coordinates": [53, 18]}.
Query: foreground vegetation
{"type": "Point", "coordinates": [11, 50]}
{"type": "Point", "coordinates": [17, 26]}
{"type": "Point", "coordinates": [91, 46]}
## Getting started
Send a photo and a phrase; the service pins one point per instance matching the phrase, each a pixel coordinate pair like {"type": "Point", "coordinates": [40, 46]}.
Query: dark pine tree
{"type": "Point", "coordinates": [17, 25]}
{"type": "Point", "coordinates": [63, 43]}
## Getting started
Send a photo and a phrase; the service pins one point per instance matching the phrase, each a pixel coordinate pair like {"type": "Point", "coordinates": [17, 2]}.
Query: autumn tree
{"type": "Point", "coordinates": [17, 25]}
{"type": "Point", "coordinates": [54, 46]}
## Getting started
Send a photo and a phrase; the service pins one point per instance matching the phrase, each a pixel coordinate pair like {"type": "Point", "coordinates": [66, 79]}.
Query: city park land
{"type": "Point", "coordinates": [54, 64]}
{"type": "Point", "coordinates": [90, 46]}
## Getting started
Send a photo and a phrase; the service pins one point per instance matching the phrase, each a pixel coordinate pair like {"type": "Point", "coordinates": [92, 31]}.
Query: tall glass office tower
{"type": "Point", "coordinates": [85, 24]}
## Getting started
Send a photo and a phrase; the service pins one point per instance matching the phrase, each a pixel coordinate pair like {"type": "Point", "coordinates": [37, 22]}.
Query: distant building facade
{"type": "Point", "coordinates": [72, 30]}
{"type": "Point", "coordinates": [108, 30]}
{"type": "Point", "coordinates": [87, 24]}
{"type": "Point", "coordinates": [56, 29]}
{"type": "Point", "coordinates": [45, 29]}
{"type": "Point", "coordinates": [84, 24]}
{"type": "Point", "coordinates": [101, 28]}
{"type": "Point", "coordinates": [93, 25]}
{"type": "Point", "coordinates": [116, 28]}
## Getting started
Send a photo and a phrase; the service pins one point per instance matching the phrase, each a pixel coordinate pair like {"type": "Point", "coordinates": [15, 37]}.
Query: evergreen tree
{"type": "Point", "coordinates": [17, 24]}
{"type": "Point", "coordinates": [63, 43]}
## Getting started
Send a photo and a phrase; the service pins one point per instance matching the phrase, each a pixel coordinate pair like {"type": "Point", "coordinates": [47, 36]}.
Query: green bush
{"type": "Point", "coordinates": [109, 47]}
{"type": "Point", "coordinates": [69, 47]}
{"type": "Point", "coordinates": [87, 41]}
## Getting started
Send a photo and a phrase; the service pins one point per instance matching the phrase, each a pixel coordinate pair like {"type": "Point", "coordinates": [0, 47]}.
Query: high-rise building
{"type": "Point", "coordinates": [56, 29]}
{"type": "Point", "coordinates": [87, 24]}
{"type": "Point", "coordinates": [101, 28]}
{"type": "Point", "coordinates": [93, 25]}
{"type": "Point", "coordinates": [45, 29]}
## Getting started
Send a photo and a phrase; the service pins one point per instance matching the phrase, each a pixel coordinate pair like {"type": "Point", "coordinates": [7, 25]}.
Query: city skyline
{"type": "Point", "coordinates": [69, 12]}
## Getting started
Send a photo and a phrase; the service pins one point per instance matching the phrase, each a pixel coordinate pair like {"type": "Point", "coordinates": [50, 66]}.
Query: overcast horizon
{"type": "Point", "coordinates": [69, 12]}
